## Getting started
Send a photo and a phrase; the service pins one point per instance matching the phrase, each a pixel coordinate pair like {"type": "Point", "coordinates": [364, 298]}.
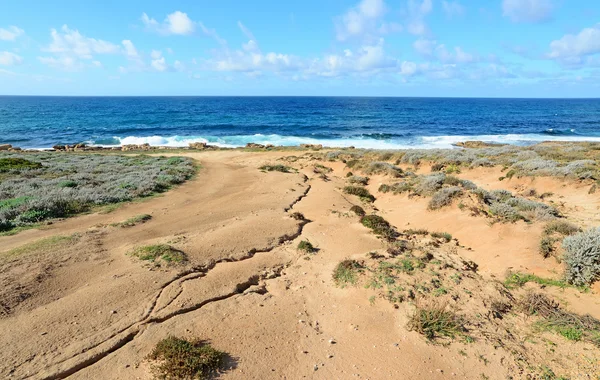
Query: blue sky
{"type": "Point", "coordinates": [504, 48]}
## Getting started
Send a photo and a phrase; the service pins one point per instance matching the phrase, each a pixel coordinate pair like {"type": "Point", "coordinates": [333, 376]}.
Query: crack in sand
{"type": "Point", "coordinates": [194, 273]}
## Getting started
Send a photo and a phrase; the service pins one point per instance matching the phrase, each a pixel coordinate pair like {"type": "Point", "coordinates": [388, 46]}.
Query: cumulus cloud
{"type": "Point", "coordinates": [176, 23]}
{"type": "Point", "coordinates": [70, 41]}
{"type": "Point", "coordinates": [425, 47]}
{"type": "Point", "coordinates": [10, 59]}
{"type": "Point", "coordinates": [359, 20]}
{"type": "Point", "coordinates": [431, 49]}
{"type": "Point", "coordinates": [453, 8]}
{"type": "Point", "coordinates": [417, 11]}
{"type": "Point", "coordinates": [11, 34]}
{"type": "Point", "coordinates": [574, 48]}
{"type": "Point", "coordinates": [527, 10]}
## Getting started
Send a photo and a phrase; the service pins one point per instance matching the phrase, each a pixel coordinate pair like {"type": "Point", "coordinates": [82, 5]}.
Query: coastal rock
{"type": "Point", "coordinates": [59, 147]}
{"type": "Point", "coordinates": [197, 145]}
{"type": "Point", "coordinates": [477, 144]}
{"type": "Point", "coordinates": [5, 146]}
{"type": "Point", "coordinates": [145, 146]}
{"type": "Point", "coordinates": [15, 149]}
{"type": "Point", "coordinates": [254, 145]}
{"type": "Point", "coordinates": [311, 146]}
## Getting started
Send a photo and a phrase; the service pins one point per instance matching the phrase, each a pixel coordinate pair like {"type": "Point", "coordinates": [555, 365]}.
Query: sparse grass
{"type": "Point", "coordinates": [517, 280]}
{"type": "Point", "coordinates": [561, 227]}
{"type": "Point", "coordinates": [346, 273]}
{"type": "Point", "coordinates": [159, 252]}
{"type": "Point", "coordinates": [570, 325]}
{"type": "Point", "coordinates": [358, 180]}
{"type": "Point", "coordinates": [46, 244]}
{"type": "Point", "coordinates": [442, 235]}
{"type": "Point", "coordinates": [177, 358]}
{"type": "Point", "coordinates": [379, 226]}
{"type": "Point", "coordinates": [306, 246]}
{"type": "Point", "coordinates": [434, 321]}
{"type": "Point", "coordinates": [138, 219]}
{"type": "Point", "coordinates": [420, 231]}
{"type": "Point", "coordinates": [360, 192]}
{"type": "Point", "coordinates": [359, 211]}
{"type": "Point", "coordinates": [277, 168]}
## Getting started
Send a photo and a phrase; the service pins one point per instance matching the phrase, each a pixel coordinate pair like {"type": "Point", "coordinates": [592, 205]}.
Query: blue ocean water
{"type": "Point", "coordinates": [39, 122]}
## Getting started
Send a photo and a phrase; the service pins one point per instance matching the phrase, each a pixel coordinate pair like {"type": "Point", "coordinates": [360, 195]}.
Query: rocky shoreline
{"type": "Point", "coordinates": [143, 147]}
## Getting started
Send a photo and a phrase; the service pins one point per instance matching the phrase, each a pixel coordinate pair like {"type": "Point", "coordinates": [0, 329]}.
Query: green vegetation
{"type": "Point", "coordinates": [68, 184]}
{"type": "Point", "coordinates": [358, 210]}
{"type": "Point", "coordinates": [346, 273]}
{"type": "Point", "coordinates": [177, 358]}
{"type": "Point", "coordinates": [435, 321]}
{"type": "Point", "coordinates": [17, 164]}
{"type": "Point", "coordinates": [46, 244]}
{"type": "Point", "coordinates": [306, 246]}
{"type": "Point", "coordinates": [159, 252]}
{"type": "Point", "coordinates": [442, 235]}
{"type": "Point", "coordinates": [277, 168]}
{"type": "Point", "coordinates": [554, 232]}
{"type": "Point", "coordinates": [138, 219]}
{"type": "Point", "coordinates": [552, 318]}
{"type": "Point", "coordinates": [360, 192]}
{"type": "Point", "coordinates": [582, 257]}
{"type": "Point", "coordinates": [517, 280]}
{"type": "Point", "coordinates": [380, 227]}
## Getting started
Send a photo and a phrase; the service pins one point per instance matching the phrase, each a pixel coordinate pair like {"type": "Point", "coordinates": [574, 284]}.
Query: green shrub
{"type": "Point", "coordinates": [16, 163]}
{"type": "Point", "coordinates": [306, 246]}
{"type": "Point", "coordinates": [442, 235]}
{"type": "Point", "coordinates": [358, 180]}
{"type": "Point", "coordinates": [435, 321]}
{"type": "Point", "coordinates": [357, 210]}
{"type": "Point", "coordinates": [561, 227]}
{"type": "Point", "coordinates": [444, 197]}
{"type": "Point", "coordinates": [177, 358]}
{"type": "Point", "coordinates": [67, 183]}
{"type": "Point", "coordinates": [379, 226]}
{"type": "Point", "coordinates": [360, 192]}
{"type": "Point", "coordinates": [582, 257]}
{"type": "Point", "coordinates": [346, 272]}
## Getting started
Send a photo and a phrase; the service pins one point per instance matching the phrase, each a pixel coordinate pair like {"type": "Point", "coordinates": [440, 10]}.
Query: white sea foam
{"type": "Point", "coordinates": [422, 142]}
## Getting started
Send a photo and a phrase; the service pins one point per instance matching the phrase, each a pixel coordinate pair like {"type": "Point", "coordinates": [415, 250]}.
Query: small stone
{"type": "Point", "coordinates": [44, 333]}
{"type": "Point", "coordinates": [316, 367]}
{"type": "Point", "coordinates": [329, 356]}
{"type": "Point", "coordinates": [332, 341]}
{"type": "Point", "coordinates": [113, 312]}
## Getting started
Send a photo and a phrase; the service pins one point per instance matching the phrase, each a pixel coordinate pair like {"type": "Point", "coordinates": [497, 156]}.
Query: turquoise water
{"type": "Point", "coordinates": [38, 122]}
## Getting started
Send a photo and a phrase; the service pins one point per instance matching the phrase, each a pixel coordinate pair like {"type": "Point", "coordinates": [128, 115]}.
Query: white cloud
{"type": "Point", "coordinates": [527, 10]}
{"type": "Point", "coordinates": [417, 11]}
{"type": "Point", "coordinates": [10, 59]}
{"type": "Point", "coordinates": [65, 63]}
{"type": "Point", "coordinates": [72, 42]}
{"type": "Point", "coordinates": [408, 68]}
{"type": "Point", "coordinates": [212, 33]}
{"type": "Point", "coordinates": [160, 64]}
{"type": "Point", "coordinates": [130, 50]}
{"type": "Point", "coordinates": [246, 31]}
{"type": "Point", "coordinates": [459, 55]}
{"type": "Point", "coordinates": [11, 34]}
{"type": "Point", "coordinates": [156, 54]}
{"type": "Point", "coordinates": [176, 23]}
{"type": "Point", "coordinates": [359, 20]}
{"type": "Point", "coordinates": [571, 49]}
{"type": "Point", "coordinates": [425, 47]}
{"type": "Point", "coordinates": [453, 8]}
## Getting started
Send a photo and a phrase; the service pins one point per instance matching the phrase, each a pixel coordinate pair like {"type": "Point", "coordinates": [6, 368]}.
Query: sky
{"type": "Point", "coordinates": [449, 48]}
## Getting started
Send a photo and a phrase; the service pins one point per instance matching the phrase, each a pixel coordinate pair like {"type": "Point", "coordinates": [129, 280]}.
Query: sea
{"type": "Point", "coordinates": [377, 123]}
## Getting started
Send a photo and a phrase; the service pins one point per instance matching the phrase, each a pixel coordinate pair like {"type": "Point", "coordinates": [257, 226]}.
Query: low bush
{"type": "Point", "coordinates": [67, 184]}
{"type": "Point", "coordinates": [582, 257]}
{"type": "Point", "coordinates": [444, 197]}
{"type": "Point", "coordinates": [358, 180]}
{"type": "Point", "coordinates": [177, 358]}
{"type": "Point", "coordinates": [383, 168]}
{"type": "Point", "coordinates": [346, 273]}
{"type": "Point", "coordinates": [442, 235]}
{"type": "Point", "coordinates": [435, 321]}
{"type": "Point", "coordinates": [306, 246]}
{"type": "Point", "coordinates": [358, 210]}
{"type": "Point", "coordinates": [380, 227]}
{"type": "Point", "coordinates": [360, 192]}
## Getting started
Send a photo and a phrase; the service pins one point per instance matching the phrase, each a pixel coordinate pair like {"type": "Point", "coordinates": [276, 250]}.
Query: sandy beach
{"type": "Point", "coordinates": [88, 309]}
